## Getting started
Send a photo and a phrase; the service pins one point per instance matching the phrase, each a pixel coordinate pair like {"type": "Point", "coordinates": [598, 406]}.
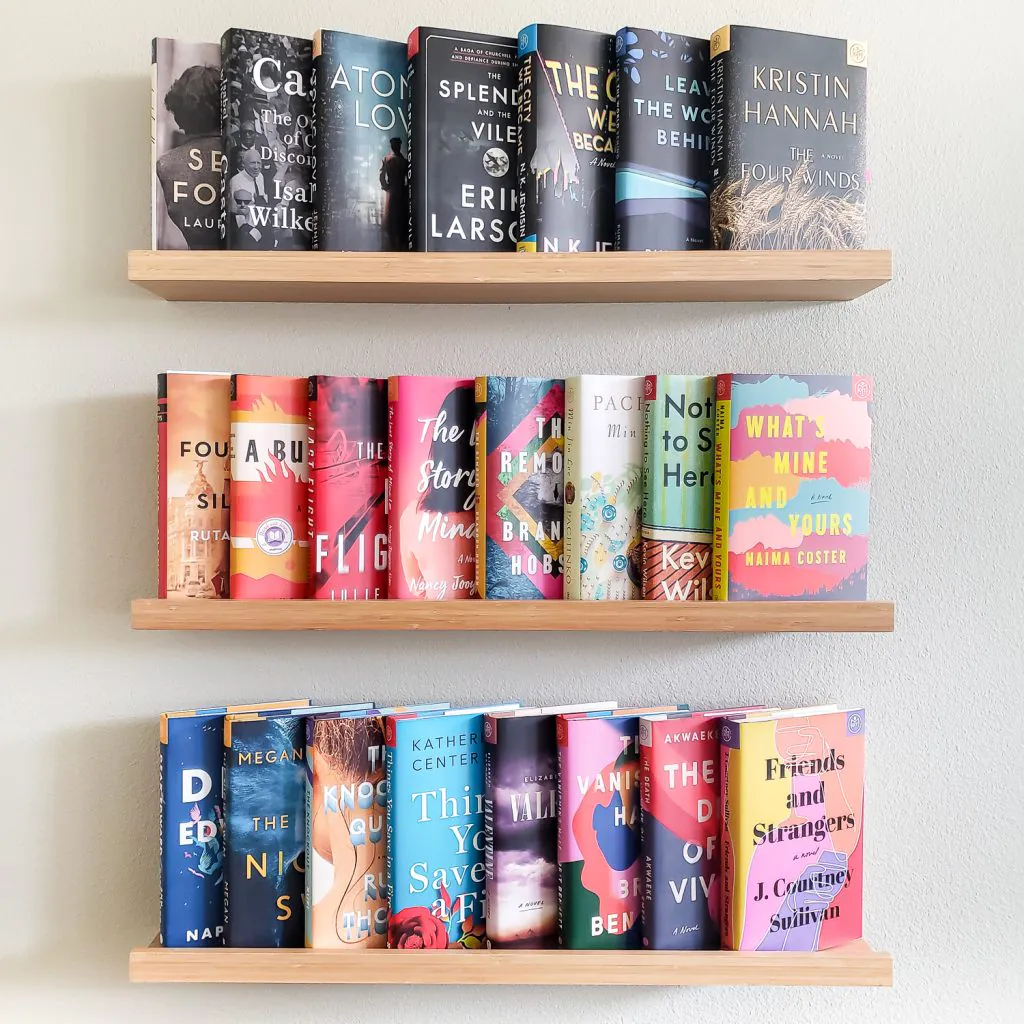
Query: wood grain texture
{"type": "Point", "coordinates": [856, 964]}
{"type": "Point", "coordinates": [510, 277]}
{"type": "Point", "coordinates": [548, 616]}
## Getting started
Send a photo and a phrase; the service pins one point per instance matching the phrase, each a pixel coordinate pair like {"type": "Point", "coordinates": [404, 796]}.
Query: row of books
{"type": "Point", "coordinates": [563, 140]}
{"type": "Point", "coordinates": [583, 826]}
{"type": "Point", "coordinates": [666, 487]}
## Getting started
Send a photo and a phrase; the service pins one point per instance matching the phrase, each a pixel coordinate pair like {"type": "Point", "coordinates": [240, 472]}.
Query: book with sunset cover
{"type": "Point", "coordinates": [431, 488]}
{"type": "Point", "coordinates": [792, 487]}
{"type": "Point", "coordinates": [193, 483]}
{"type": "Point", "coordinates": [348, 467]}
{"type": "Point", "coordinates": [269, 487]}
{"type": "Point", "coordinates": [519, 462]}
{"type": "Point", "coordinates": [792, 835]}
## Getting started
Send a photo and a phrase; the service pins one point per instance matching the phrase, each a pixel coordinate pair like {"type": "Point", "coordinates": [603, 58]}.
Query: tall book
{"type": "Point", "coordinates": [519, 471]}
{"type": "Point", "coordinates": [435, 833]}
{"type": "Point", "coordinates": [360, 144]}
{"type": "Point", "coordinates": [187, 147]}
{"type": "Point", "coordinates": [792, 487]}
{"type": "Point", "coordinates": [521, 825]}
{"type": "Point", "coordinates": [679, 488]}
{"type": "Point", "coordinates": [269, 487]}
{"type": "Point", "coordinates": [348, 467]}
{"type": "Point", "coordinates": [265, 810]}
{"type": "Point", "coordinates": [788, 143]}
{"type": "Point", "coordinates": [431, 488]}
{"type": "Point", "coordinates": [462, 135]}
{"type": "Point", "coordinates": [192, 824]}
{"type": "Point", "coordinates": [792, 836]}
{"type": "Point", "coordinates": [663, 141]}
{"type": "Point", "coordinates": [604, 451]}
{"type": "Point", "coordinates": [193, 413]}
{"type": "Point", "coordinates": [566, 147]}
{"type": "Point", "coordinates": [266, 123]}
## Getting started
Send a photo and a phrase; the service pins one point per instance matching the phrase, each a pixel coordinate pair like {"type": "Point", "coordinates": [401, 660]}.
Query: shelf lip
{"type": "Point", "coordinates": [704, 276]}
{"type": "Point", "coordinates": [542, 616]}
{"type": "Point", "coordinates": [855, 964]}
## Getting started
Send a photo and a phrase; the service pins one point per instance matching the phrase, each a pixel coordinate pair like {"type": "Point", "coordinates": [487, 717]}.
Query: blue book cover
{"type": "Point", "coordinates": [192, 825]}
{"type": "Point", "coordinates": [435, 829]}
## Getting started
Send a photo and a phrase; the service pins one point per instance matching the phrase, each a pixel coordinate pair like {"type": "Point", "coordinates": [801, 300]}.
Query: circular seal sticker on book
{"type": "Point", "coordinates": [274, 536]}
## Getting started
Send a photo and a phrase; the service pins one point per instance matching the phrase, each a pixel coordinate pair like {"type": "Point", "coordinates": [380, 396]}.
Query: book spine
{"type": "Point", "coordinates": [721, 173]}
{"type": "Point", "coordinates": [154, 183]}
{"type": "Point", "coordinates": [562, 742]}
{"type": "Point", "coordinates": [572, 542]}
{"type": "Point", "coordinates": [389, 816]}
{"type": "Point", "coordinates": [482, 489]}
{"type": "Point", "coordinates": [225, 789]}
{"type": "Point", "coordinates": [526, 143]}
{"type": "Point", "coordinates": [394, 559]}
{"type": "Point", "coordinates": [417, 127]}
{"type": "Point", "coordinates": [318, 138]}
{"type": "Point", "coordinates": [647, 852]}
{"type": "Point", "coordinates": [311, 502]}
{"type": "Point", "coordinates": [227, 77]}
{"type": "Point", "coordinates": [161, 483]}
{"type": "Point", "coordinates": [164, 837]}
{"type": "Point", "coordinates": [490, 788]}
{"type": "Point", "coordinates": [728, 854]}
{"type": "Point", "coordinates": [309, 860]}
{"type": "Point", "coordinates": [723, 468]}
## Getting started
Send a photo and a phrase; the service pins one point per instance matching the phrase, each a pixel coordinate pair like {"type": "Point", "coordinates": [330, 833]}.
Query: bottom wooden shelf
{"type": "Point", "coordinates": [855, 964]}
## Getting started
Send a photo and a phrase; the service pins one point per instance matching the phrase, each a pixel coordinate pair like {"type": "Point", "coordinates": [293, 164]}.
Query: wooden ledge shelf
{"type": "Point", "coordinates": [856, 964]}
{"type": "Point", "coordinates": [800, 276]}
{"type": "Point", "coordinates": [547, 616]}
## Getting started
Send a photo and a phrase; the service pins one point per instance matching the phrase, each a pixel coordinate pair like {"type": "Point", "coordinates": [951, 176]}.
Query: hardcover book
{"type": "Point", "coordinates": [462, 130]}
{"type": "Point", "coordinates": [792, 837]}
{"type": "Point", "coordinates": [193, 413]}
{"type": "Point", "coordinates": [269, 487]}
{"type": "Point", "coordinates": [604, 449]}
{"type": "Point", "coordinates": [519, 462]}
{"type": "Point", "coordinates": [192, 824]}
{"type": "Point", "coordinates": [187, 148]}
{"type": "Point", "coordinates": [792, 487]}
{"type": "Point", "coordinates": [565, 151]}
{"type": "Point", "coordinates": [266, 123]}
{"type": "Point", "coordinates": [348, 467]}
{"type": "Point", "coordinates": [677, 519]}
{"type": "Point", "coordinates": [788, 143]}
{"type": "Point", "coordinates": [431, 488]}
{"type": "Point", "coordinates": [360, 144]}
{"type": "Point", "coordinates": [663, 141]}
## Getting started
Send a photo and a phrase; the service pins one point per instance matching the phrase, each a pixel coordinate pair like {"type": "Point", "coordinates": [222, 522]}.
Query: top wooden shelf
{"type": "Point", "coordinates": [799, 276]}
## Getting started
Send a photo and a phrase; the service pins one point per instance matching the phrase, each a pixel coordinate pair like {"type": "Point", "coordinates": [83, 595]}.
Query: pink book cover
{"type": "Point", "coordinates": [431, 496]}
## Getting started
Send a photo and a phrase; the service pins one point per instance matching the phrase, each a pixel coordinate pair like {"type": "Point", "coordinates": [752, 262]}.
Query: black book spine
{"type": "Point", "coordinates": [720, 83]}
{"type": "Point", "coordinates": [417, 148]}
{"type": "Point", "coordinates": [317, 147]}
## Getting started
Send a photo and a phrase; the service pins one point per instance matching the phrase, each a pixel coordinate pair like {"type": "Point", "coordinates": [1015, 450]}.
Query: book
{"type": "Point", "coordinates": [462, 141]}
{"type": "Point", "coordinates": [565, 152]}
{"type": "Point", "coordinates": [187, 147]}
{"type": "Point", "coordinates": [788, 142]}
{"type": "Point", "coordinates": [792, 835]}
{"type": "Point", "coordinates": [360, 122]}
{"type": "Point", "coordinates": [792, 487]}
{"type": "Point", "coordinates": [346, 841]}
{"type": "Point", "coordinates": [266, 123]}
{"type": "Point", "coordinates": [431, 488]}
{"type": "Point", "coordinates": [435, 828]}
{"type": "Point", "coordinates": [192, 824]}
{"type": "Point", "coordinates": [604, 451]}
{"type": "Point", "coordinates": [265, 811]}
{"type": "Point", "coordinates": [521, 825]}
{"type": "Point", "coordinates": [193, 412]}
{"type": "Point", "coordinates": [677, 518]}
{"type": "Point", "coordinates": [269, 487]}
{"type": "Point", "coordinates": [520, 488]}
{"type": "Point", "coordinates": [663, 141]}
{"type": "Point", "coordinates": [680, 818]}
{"type": "Point", "coordinates": [348, 468]}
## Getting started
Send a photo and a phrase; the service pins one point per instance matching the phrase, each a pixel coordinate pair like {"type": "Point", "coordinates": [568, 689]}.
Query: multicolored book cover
{"type": "Point", "coordinates": [792, 836]}
{"type": "Point", "coordinates": [519, 470]}
{"type": "Point", "coordinates": [431, 488]}
{"type": "Point", "coordinates": [566, 146]}
{"type": "Point", "coordinates": [679, 487]}
{"type": "Point", "coordinates": [435, 831]}
{"type": "Point", "coordinates": [462, 129]}
{"type": "Point", "coordinates": [192, 824]}
{"type": "Point", "coordinates": [663, 141]}
{"type": "Point", "coordinates": [360, 144]}
{"type": "Point", "coordinates": [193, 484]}
{"type": "Point", "coordinates": [792, 487]}
{"type": "Point", "coordinates": [604, 451]}
{"type": "Point", "coordinates": [348, 468]}
{"type": "Point", "coordinates": [269, 487]}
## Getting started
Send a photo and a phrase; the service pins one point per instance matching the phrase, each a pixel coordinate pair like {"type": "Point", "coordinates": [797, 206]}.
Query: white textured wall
{"type": "Point", "coordinates": [81, 349]}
